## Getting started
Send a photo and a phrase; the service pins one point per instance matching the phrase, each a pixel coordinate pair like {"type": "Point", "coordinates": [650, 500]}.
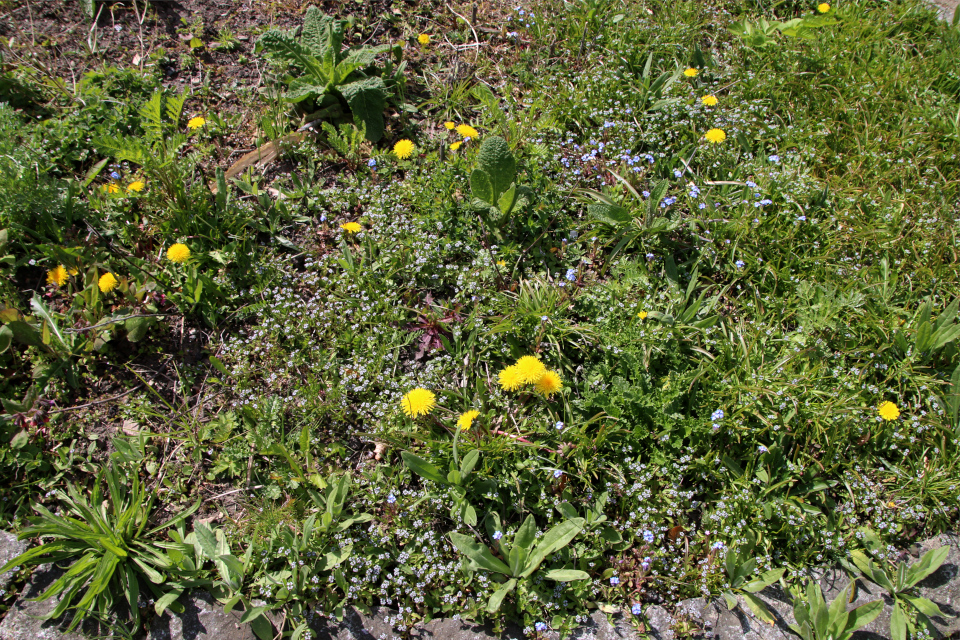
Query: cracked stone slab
{"type": "Point", "coordinates": [660, 623]}
{"type": "Point", "coordinates": [10, 548]}
{"type": "Point", "coordinates": [202, 619]}
{"type": "Point", "coordinates": [21, 621]}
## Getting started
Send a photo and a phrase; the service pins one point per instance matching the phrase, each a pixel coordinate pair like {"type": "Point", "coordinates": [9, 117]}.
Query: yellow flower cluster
{"type": "Point", "coordinates": [196, 123]}
{"type": "Point", "coordinates": [418, 402]}
{"type": "Point", "coordinates": [424, 39]}
{"type": "Point", "coordinates": [467, 131]}
{"type": "Point", "coordinates": [530, 370]}
{"type": "Point", "coordinates": [108, 282]}
{"type": "Point", "coordinates": [466, 419]}
{"type": "Point", "coordinates": [710, 101]}
{"type": "Point", "coordinates": [178, 253]}
{"type": "Point", "coordinates": [351, 227]}
{"type": "Point", "coordinates": [57, 276]}
{"type": "Point", "coordinates": [403, 149]}
{"type": "Point", "coordinates": [823, 7]}
{"type": "Point", "coordinates": [715, 136]}
{"type": "Point", "coordinates": [888, 411]}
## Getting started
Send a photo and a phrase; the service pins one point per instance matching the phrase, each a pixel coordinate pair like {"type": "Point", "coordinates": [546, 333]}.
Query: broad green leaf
{"type": "Point", "coordinates": [731, 600]}
{"type": "Point", "coordinates": [926, 607]}
{"type": "Point", "coordinates": [20, 440]}
{"type": "Point", "coordinates": [206, 540]}
{"type": "Point", "coordinates": [507, 200]}
{"type": "Point", "coordinates": [765, 580]}
{"type": "Point", "coordinates": [554, 539]}
{"type": "Point", "coordinates": [367, 99]}
{"type": "Point", "coordinates": [262, 627]}
{"type": "Point", "coordinates": [898, 623]}
{"type": "Point", "coordinates": [837, 612]}
{"type": "Point", "coordinates": [478, 554]}
{"type": "Point", "coordinates": [234, 570]}
{"type": "Point", "coordinates": [281, 45]}
{"type": "Point", "coordinates": [137, 328]}
{"type": "Point", "coordinates": [924, 337]}
{"type": "Point", "coordinates": [656, 196]}
{"type": "Point", "coordinates": [422, 468]}
{"type": "Point", "coordinates": [926, 565]}
{"type": "Point", "coordinates": [609, 214]}
{"type": "Point", "coordinates": [758, 607]}
{"type": "Point", "coordinates": [495, 159]}
{"type": "Point", "coordinates": [611, 535]}
{"type": "Point", "coordinates": [493, 605]}
{"type": "Point", "coordinates": [152, 574]}
{"type": "Point", "coordinates": [517, 558]}
{"type": "Point", "coordinates": [526, 534]}
{"type": "Point", "coordinates": [863, 615]}
{"type": "Point", "coordinates": [468, 463]}
{"type": "Point", "coordinates": [566, 575]}
{"type": "Point", "coordinates": [254, 612]}
{"type": "Point", "coordinates": [481, 186]}
{"type": "Point", "coordinates": [164, 601]}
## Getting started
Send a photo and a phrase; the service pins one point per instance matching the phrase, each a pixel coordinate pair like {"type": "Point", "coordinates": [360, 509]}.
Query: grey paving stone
{"type": "Point", "coordinates": [10, 548]}
{"type": "Point", "coordinates": [21, 621]}
{"type": "Point", "coordinates": [203, 619]}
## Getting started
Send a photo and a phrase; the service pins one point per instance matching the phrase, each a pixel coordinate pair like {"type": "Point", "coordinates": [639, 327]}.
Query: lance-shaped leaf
{"type": "Point", "coordinates": [478, 554]}
{"type": "Point", "coordinates": [493, 604]}
{"type": "Point", "coordinates": [557, 538]}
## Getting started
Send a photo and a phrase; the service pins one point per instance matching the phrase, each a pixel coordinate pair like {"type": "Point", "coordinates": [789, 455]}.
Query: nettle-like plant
{"type": "Point", "coordinates": [495, 193]}
{"type": "Point", "coordinates": [341, 81]}
{"type": "Point", "coordinates": [523, 556]}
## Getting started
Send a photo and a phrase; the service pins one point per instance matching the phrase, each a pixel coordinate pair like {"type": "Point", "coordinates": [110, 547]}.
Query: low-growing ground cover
{"type": "Point", "coordinates": [528, 310]}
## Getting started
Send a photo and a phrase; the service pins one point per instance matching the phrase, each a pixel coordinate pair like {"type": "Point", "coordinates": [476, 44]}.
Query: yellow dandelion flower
{"type": "Point", "coordinates": [467, 131]}
{"type": "Point", "coordinates": [108, 282]}
{"type": "Point", "coordinates": [530, 369]}
{"type": "Point", "coordinates": [57, 276]}
{"type": "Point", "coordinates": [456, 145]}
{"type": "Point", "coordinates": [888, 411]}
{"type": "Point", "coordinates": [642, 315]}
{"type": "Point", "coordinates": [424, 39]}
{"type": "Point", "coordinates": [403, 149]}
{"type": "Point", "coordinates": [823, 7]}
{"type": "Point", "coordinates": [509, 378]}
{"type": "Point", "coordinates": [72, 271]}
{"type": "Point", "coordinates": [466, 420]}
{"type": "Point", "coordinates": [196, 123]}
{"type": "Point", "coordinates": [418, 402]}
{"type": "Point", "coordinates": [690, 72]}
{"type": "Point", "coordinates": [449, 125]}
{"type": "Point", "coordinates": [111, 188]}
{"type": "Point", "coordinates": [178, 253]}
{"type": "Point", "coordinates": [501, 263]}
{"type": "Point", "coordinates": [710, 101]}
{"type": "Point", "coordinates": [351, 227]}
{"type": "Point", "coordinates": [549, 383]}
{"type": "Point", "coordinates": [136, 186]}
{"type": "Point", "coordinates": [715, 136]}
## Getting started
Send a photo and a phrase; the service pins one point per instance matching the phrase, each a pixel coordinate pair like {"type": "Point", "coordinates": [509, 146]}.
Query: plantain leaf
{"type": "Point", "coordinates": [493, 605]}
